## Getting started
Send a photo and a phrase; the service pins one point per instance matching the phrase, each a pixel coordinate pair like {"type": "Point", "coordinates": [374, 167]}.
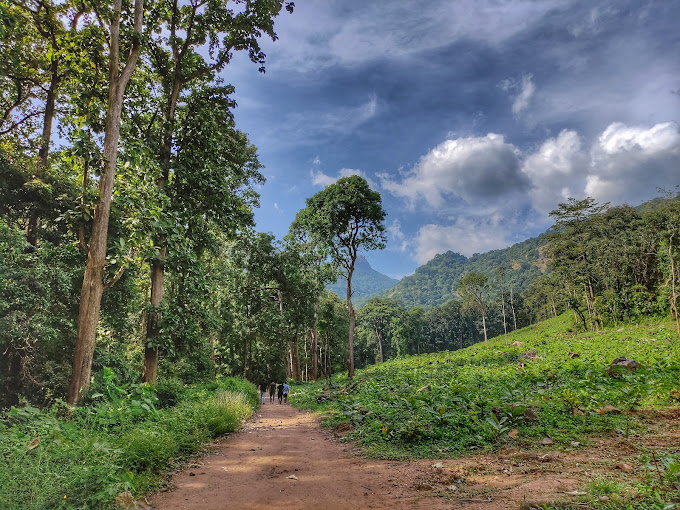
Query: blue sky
{"type": "Point", "coordinates": [473, 119]}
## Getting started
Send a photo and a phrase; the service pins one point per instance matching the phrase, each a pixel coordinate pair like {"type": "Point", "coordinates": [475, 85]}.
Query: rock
{"type": "Point", "coordinates": [516, 344]}
{"type": "Point", "coordinates": [625, 467]}
{"type": "Point", "coordinates": [292, 477]}
{"type": "Point", "coordinates": [577, 412]}
{"type": "Point", "coordinates": [608, 409]}
{"type": "Point", "coordinates": [438, 465]}
{"type": "Point", "coordinates": [604, 498]}
{"type": "Point", "coordinates": [530, 414]}
{"type": "Point", "coordinates": [622, 363]}
{"type": "Point", "coordinates": [452, 488]}
{"type": "Point", "coordinates": [126, 501]}
{"type": "Point", "coordinates": [575, 444]}
{"type": "Point", "coordinates": [547, 441]}
{"type": "Point", "coordinates": [529, 355]}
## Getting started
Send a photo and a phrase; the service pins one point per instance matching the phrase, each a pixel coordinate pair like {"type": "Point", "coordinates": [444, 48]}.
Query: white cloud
{"type": "Point", "coordinates": [466, 236]}
{"type": "Point", "coordinates": [321, 34]}
{"type": "Point", "coordinates": [557, 171]}
{"type": "Point", "coordinates": [323, 180]}
{"type": "Point", "coordinates": [527, 90]}
{"type": "Point", "coordinates": [630, 162]}
{"type": "Point", "coordinates": [473, 169]}
{"type": "Point", "coordinates": [396, 236]}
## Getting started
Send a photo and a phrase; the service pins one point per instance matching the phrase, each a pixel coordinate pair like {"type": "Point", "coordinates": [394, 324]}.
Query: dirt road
{"type": "Point", "coordinates": [283, 460]}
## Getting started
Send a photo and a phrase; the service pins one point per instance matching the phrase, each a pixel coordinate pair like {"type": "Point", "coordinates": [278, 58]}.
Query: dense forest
{"type": "Point", "coordinates": [128, 238]}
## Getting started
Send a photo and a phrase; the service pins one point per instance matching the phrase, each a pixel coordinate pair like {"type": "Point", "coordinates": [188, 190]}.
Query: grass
{"type": "Point", "coordinates": [84, 457]}
{"type": "Point", "coordinates": [548, 381]}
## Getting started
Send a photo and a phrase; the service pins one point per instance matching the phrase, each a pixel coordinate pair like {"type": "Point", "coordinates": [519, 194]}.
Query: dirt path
{"type": "Point", "coordinates": [283, 460]}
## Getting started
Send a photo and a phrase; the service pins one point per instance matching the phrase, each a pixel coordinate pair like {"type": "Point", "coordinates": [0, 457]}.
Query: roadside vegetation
{"type": "Point", "coordinates": [119, 443]}
{"type": "Point", "coordinates": [547, 386]}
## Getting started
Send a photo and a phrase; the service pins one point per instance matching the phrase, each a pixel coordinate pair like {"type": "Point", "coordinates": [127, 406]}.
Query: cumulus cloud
{"type": "Point", "coordinates": [472, 169]}
{"type": "Point", "coordinates": [631, 162]}
{"type": "Point", "coordinates": [396, 236]}
{"type": "Point", "coordinates": [467, 235]}
{"type": "Point", "coordinates": [624, 163]}
{"type": "Point", "coordinates": [557, 170]}
{"type": "Point", "coordinates": [323, 180]}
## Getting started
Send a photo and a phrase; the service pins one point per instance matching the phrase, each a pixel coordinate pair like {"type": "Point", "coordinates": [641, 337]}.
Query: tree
{"type": "Point", "coordinates": [93, 279]}
{"type": "Point", "coordinates": [473, 288]}
{"type": "Point", "coordinates": [344, 218]}
{"type": "Point", "coordinates": [178, 61]}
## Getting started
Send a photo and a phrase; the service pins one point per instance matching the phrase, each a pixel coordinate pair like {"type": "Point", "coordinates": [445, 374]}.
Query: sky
{"type": "Point", "coordinates": [472, 118]}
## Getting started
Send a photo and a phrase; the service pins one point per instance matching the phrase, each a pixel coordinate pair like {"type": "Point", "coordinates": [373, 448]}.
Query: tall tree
{"type": "Point", "coordinates": [93, 279]}
{"type": "Point", "coordinates": [176, 57]}
{"type": "Point", "coordinates": [346, 217]}
{"type": "Point", "coordinates": [473, 288]}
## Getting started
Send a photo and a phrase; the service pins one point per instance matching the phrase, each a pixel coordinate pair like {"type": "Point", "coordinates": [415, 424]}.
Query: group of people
{"type": "Point", "coordinates": [280, 390]}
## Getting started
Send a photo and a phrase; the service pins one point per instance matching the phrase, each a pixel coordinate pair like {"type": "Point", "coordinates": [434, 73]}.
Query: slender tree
{"type": "Point", "coordinates": [344, 218]}
{"type": "Point", "coordinates": [93, 279]}
{"type": "Point", "coordinates": [473, 288]}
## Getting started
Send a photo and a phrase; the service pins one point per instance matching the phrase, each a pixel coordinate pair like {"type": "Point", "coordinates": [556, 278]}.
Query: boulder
{"type": "Point", "coordinates": [622, 363]}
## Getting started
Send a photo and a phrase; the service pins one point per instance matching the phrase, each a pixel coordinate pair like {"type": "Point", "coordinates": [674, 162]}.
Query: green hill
{"type": "Point", "coordinates": [436, 282]}
{"type": "Point", "coordinates": [439, 402]}
{"type": "Point", "coordinates": [366, 281]}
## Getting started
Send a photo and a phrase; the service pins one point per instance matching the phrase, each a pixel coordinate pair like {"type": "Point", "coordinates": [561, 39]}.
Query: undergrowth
{"type": "Point", "coordinates": [547, 384]}
{"type": "Point", "coordinates": [123, 439]}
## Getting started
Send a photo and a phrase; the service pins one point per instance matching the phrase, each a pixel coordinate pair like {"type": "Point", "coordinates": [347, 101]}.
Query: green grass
{"type": "Point", "coordinates": [84, 457]}
{"type": "Point", "coordinates": [449, 403]}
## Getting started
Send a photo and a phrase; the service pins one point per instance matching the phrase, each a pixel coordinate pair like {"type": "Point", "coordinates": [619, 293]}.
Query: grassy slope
{"type": "Point", "coordinates": [442, 404]}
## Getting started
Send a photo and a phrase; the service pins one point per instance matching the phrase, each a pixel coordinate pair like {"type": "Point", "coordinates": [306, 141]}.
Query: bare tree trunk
{"type": "Point", "coordinates": [512, 306]}
{"type": "Point", "coordinates": [153, 319]}
{"type": "Point", "coordinates": [93, 284]}
{"type": "Point", "coordinates": [296, 371]}
{"type": "Point", "coordinates": [352, 323]}
{"type": "Point", "coordinates": [484, 325]}
{"type": "Point", "coordinates": [315, 341]}
{"type": "Point", "coordinates": [48, 117]}
{"type": "Point", "coordinates": [378, 333]}
{"type": "Point", "coordinates": [505, 323]}
{"type": "Point", "coordinates": [674, 297]}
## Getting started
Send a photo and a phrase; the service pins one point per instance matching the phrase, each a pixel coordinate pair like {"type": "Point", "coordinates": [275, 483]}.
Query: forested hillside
{"type": "Point", "coordinates": [366, 281]}
{"type": "Point", "coordinates": [436, 282]}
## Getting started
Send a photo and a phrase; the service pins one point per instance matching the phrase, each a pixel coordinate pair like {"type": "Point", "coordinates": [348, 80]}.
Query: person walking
{"type": "Point", "coordinates": [263, 392]}
{"type": "Point", "coordinates": [280, 392]}
{"type": "Point", "coordinates": [272, 391]}
{"type": "Point", "coordinates": [286, 389]}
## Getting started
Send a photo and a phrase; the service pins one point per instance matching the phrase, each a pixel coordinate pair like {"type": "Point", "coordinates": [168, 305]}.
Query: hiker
{"type": "Point", "coordinates": [280, 391]}
{"type": "Point", "coordinates": [263, 391]}
{"type": "Point", "coordinates": [272, 391]}
{"type": "Point", "coordinates": [286, 388]}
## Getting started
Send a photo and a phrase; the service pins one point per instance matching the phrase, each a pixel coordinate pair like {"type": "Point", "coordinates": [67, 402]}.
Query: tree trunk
{"type": "Point", "coordinates": [296, 371]}
{"type": "Point", "coordinates": [674, 296]}
{"type": "Point", "coordinates": [315, 341]}
{"type": "Point", "coordinates": [378, 333]}
{"type": "Point", "coordinates": [512, 306]}
{"type": "Point", "coordinates": [505, 323]}
{"type": "Point", "coordinates": [43, 152]}
{"type": "Point", "coordinates": [93, 284]}
{"type": "Point", "coordinates": [352, 322]}
{"type": "Point", "coordinates": [150, 374]}
{"type": "Point", "coordinates": [484, 325]}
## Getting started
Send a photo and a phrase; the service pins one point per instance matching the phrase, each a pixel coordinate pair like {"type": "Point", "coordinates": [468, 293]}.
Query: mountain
{"type": "Point", "coordinates": [436, 282]}
{"type": "Point", "coordinates": [365, 282]}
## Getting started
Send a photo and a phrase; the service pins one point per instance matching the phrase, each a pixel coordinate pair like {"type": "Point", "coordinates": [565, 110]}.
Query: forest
{"type": "Point", "coordinates": [133, 282]}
